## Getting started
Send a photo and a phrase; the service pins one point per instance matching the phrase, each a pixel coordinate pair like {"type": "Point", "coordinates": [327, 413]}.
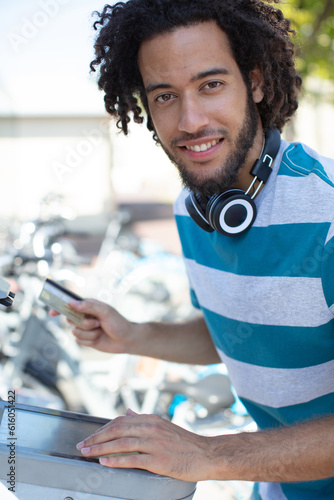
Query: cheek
{"type": "Point", "coordinates": [164, 126]}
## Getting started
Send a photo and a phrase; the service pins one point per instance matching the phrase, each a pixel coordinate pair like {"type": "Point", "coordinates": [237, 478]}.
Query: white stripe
{"type": "Point", "coordinates": [179, 205]}
{"type": "Point", "coordinates": [330, 234]}
{"type": "Point", "coordinates": [277, 205]}
{"type": "Point", "coordinates": [278, 387]}
{"type": "Point", "coordinates": [271, 491]}
{"type": "Point", "coordinates": [264, 300]}
{"type": "Point", "coordinates": [295, 200]}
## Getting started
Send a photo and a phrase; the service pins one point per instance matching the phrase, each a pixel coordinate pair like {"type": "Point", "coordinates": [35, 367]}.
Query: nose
{"type": "Point", "coordinates": [193, 116]}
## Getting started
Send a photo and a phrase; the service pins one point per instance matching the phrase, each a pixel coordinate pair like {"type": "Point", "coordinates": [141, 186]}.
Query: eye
{"type": "Point", "coordinates": [164, 98]}
{"type": "Point", "coordinates": [212, 85]}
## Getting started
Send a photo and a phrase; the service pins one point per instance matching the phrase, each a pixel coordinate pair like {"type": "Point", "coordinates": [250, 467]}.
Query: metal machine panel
{"type": "Point", "coordinates": [38, 452]}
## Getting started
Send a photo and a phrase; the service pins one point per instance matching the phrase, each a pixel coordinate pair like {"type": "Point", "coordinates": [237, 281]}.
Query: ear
{"type": "Point", "coordinates": [257, 81]}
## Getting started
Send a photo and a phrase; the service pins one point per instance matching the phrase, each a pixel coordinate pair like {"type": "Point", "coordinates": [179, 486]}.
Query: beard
{"type": "Point", "coordinates": [226, 175]}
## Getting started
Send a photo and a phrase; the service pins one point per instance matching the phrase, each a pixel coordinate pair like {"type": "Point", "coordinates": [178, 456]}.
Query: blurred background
{"type": "Point", "coordinates": [55, 135]}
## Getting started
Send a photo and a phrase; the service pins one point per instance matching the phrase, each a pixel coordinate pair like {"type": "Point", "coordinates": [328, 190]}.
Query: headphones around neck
{"type": "Point", "coordinates": [234, 211]}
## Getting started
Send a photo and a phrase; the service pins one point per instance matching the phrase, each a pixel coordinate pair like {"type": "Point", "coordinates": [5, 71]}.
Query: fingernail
{"type": "Point", "coordinates": [80, 446]}
{"type": "Point", "coordinates": [84, 450]}
{"type": "Point", "coordinates": [103, 461]}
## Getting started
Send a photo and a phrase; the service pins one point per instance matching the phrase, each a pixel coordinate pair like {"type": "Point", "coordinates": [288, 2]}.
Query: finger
{"type": "Point", "coordinates": [90, 307]}
{"type": "Point", "coordinates": [86, 338]}
{"type": "Point", "coordinates": [95, 437]}
{"type": "Point", "coordinates": [129, 427]}
{"type": "Point", "coordinates": [106, 426]}
{"type": "Point", "coordinates": [103, 434]}
{"type": "Point", "coordinates": [125, 461]}
{"type": "Point", "coordinates": [100, 429]}
{"type": "Point", "coordinates": [86, 334]}
{"type": "Point", "coordinates": [53, 312]}
{"type": "Point", "coordinates": [123, 445]}
{"type": "Point", "coordinates": [85, 343]}
{"type": "Point", "coordinates": [88, 323]}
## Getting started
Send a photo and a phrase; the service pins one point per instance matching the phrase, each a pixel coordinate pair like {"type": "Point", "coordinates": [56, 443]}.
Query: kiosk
{"type": "Point", "coordinates": [39, 460]}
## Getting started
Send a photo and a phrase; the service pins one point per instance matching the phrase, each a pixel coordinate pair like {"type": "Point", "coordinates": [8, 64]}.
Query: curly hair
{"type": "Point", "coordinates": [258, 33]}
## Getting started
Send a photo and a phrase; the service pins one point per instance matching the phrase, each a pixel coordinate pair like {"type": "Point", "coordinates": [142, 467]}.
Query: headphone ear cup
{"type": "Point", "coordinates": [197, 213]}
{"type": "Point", "coordinates": [231, 213]}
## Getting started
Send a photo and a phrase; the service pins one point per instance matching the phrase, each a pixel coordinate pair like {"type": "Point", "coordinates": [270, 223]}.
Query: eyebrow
{"type": "Point", "coordinates": [199, 76]}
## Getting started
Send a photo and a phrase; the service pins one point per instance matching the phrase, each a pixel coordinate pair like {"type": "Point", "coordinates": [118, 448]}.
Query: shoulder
{"type": "Point", "coordinates": [179, 204]}
{"type": "Point", "coordinates": [300, 160]}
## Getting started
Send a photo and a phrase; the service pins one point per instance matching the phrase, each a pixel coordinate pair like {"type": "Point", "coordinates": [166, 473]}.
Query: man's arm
{"type": "Point", "coordinates": [186, 342]}
{"type": "Point", "coordinates": [106, 330]}
{"type": "Point", "coordinates": [303, 452]}
{"type": "Point", "coordinates": [298, 453]}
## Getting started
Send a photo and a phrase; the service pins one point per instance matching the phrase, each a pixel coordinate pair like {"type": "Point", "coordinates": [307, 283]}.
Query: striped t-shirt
{"type": "Point", "coordinates": [268, 299]}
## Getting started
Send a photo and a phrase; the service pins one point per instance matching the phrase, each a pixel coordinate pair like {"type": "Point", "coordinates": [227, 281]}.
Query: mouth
{"type": "Point", "coordinates": [201, 150]}
{"type": "Point", "coordinates": [198, 148]}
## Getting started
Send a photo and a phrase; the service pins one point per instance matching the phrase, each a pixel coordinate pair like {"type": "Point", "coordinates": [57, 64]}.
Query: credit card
{"type": "Point", "coordinates": [57, 297]}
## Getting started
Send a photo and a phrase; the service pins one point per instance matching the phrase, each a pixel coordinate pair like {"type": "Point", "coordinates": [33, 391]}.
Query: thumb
{"type": "Point", "coordinates": [90, 307]}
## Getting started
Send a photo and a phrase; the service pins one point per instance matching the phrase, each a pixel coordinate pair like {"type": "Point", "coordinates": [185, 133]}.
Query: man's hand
{"type": "Point", "coordinates": [106, 330]}
{"type": "Point", "coordinates": [156, 445]}
{"type": "Point", "coordinates": [103, 328]}
{"type": "Point", "coordinates": [303, 452]}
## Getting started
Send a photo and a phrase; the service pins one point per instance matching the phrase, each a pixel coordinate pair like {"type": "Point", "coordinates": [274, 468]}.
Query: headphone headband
{"type": "Point", "coordinates": [262, 168]}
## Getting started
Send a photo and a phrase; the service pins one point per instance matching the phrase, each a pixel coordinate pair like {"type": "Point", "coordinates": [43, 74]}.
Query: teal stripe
{"type": "Point", "coordinates": [296, 162]}
{"type": "Point", "coordinates": [280, 244]}
{"type": "Point", "coordinates": [256, 495]}
{"type": "Point", "coordinates": [272, 346]}
{"type": "Point", "coordinates": [193, 298]}
{"type": "Point", "coordinates": [328, 272]}
{"type": "Point", "coordinates": [267, 417]}
{"type": "Point", "coordinates": [311, 490]}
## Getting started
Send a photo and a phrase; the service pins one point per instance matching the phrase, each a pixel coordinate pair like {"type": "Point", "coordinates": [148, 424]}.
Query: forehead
{"type": "Point", "coordinates": [185, 52]}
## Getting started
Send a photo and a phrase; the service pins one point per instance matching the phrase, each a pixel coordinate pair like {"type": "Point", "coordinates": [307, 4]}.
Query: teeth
{"type": "Point", "coordinates": [202, 147]}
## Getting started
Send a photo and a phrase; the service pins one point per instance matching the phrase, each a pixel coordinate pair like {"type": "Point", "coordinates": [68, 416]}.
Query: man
{"type": "Point", "coordinates": [214, 79]}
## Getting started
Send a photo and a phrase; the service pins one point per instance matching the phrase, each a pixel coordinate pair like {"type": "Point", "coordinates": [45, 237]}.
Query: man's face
{"type": "Point", "coordinates": [203, 116]}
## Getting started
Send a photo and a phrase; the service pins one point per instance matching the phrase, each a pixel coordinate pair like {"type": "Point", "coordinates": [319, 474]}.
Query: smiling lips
{"type": "Point", "coordinates": [202, 147]}
{"type": "Point", "coordinates": [204, 151]}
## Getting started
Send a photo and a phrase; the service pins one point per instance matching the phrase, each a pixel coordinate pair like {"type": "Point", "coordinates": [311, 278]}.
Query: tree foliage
{"type": "Point", "coordinates": [313, 21]}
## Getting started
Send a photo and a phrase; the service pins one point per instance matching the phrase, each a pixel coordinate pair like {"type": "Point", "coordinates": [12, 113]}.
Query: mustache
{"type": "Point", "coordinates": [199, 135]}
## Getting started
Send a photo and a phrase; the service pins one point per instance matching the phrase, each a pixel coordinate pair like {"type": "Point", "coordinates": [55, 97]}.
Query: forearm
{"type": "Point", "coordinates": [304, 452]}
{"type": "Point", "coordinates": [104, 329]}
{"type": "Point", "coordinates": [186, 342]}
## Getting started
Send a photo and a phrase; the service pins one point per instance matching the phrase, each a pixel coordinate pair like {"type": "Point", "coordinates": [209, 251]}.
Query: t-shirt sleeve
{"type": "Point", "coordinates": [327, 269]}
